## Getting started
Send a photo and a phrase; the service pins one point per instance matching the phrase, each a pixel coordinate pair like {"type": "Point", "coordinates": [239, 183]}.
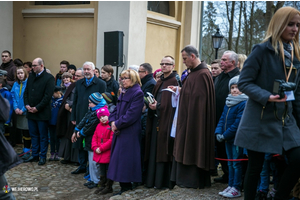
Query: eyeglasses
{"type": "Point", "coordinates": [124, 78]}
{"type": "Point", "coordinates": [140, 71]}
{"type": "Point", "coordinates": [35, 65]}
{"type": "Point", "coordinates": [165, 64]}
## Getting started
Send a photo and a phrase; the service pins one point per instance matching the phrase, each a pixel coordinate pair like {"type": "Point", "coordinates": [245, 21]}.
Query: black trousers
{"type": "Point", "coordinates": [288, 180]}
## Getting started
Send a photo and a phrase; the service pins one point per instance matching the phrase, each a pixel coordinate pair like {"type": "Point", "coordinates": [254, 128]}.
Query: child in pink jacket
{"type": "Point", "coordinates": [101, 145]}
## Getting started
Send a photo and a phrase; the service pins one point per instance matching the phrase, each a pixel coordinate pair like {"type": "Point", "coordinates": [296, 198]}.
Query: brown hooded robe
{"type": "Point", "coordinates": [194, 140]}
{"type": "Point", "coordinates": [159, 144]}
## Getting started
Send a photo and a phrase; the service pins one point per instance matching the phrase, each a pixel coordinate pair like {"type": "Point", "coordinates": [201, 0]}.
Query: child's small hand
{"type": "Point", "coordinates": [98, 150]}
{"type": "Point", "coordinates": [17, 111]}
{"type": "Point", "coordinates": [78, 134]}
{"type": "Point", "coordinates": [220, 138]}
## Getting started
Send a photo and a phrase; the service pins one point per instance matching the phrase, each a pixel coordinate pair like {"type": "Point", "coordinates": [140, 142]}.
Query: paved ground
{"type": "Point", "coordinates": [55, 181]}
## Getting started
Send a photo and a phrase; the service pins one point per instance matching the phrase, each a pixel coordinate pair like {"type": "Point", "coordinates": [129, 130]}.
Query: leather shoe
{"type": "Point", "coordinates": [32, 159]}
{"type": "Point", "coordinates": [92, 185]}
{"type": "Point", "coordinates": [65, 162]}
{"type": "Point", "coordinates": [42, 161]}
{"type": "Point", "coordinates": [88, 183]}
{"type": "Point", "coordinates": [78, 171]}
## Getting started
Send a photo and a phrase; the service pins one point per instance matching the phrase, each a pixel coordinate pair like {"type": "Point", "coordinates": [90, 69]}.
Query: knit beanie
{"type": "Point", "coordinates": [57, 88]}
{"type": "Point", "coordinates": [108, 97]}
{"type": "Point", "coordinates": [102, 112]}
{"type": "Point", "coordinates": [156, 71]}
{"type": "Point", "coordinates": [72, 67]}
{"type": "Point", "coordinates": [95, 98]}
{"type": "Point", "coordinates": [66, 74]}
{"type": "Point", "coordinates": [233, 81]}
{"type": "Point", "coordinates": [3, 72]}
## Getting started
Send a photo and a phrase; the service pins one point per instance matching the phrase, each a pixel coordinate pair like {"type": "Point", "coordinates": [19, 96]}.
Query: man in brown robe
{"type": "Point", "coordinates": [194, 140]}
{"type": "Point", "coordinates": [159, 144]}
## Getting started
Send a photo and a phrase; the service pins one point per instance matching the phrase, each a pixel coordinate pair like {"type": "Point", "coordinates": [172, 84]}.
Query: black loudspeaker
{"type": "Point", "coordinates": [113, 48]}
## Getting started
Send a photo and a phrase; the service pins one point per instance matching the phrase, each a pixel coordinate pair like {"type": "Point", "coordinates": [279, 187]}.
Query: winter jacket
{"type": "Point", "coordinates": [7, 95]}
{"type": "Point", "coordinates": [229, 121]}
{"type": "Point", "coordinates": [80, 101]}
{"type": "Point", "coordinates": [11, 69]}
{"type": "Point", "coordinates": [8, 156]}
{"type": "Point", "coordinates": [87, 126]}
{"type": "Point", "coordinates": [55, 105]}
{"type": "Point", "coordinates": [102, 138]}
{"type": "Point", "coordinates": [261, 128]}
{"type": "Point", "coordinates": [38, 93]}
{"type": "Point", "coordinates": [112, 87]}
{"type": "Point", "coordinates": [18, 99]}
{"type": "Point", "coordinates": [148, 84]}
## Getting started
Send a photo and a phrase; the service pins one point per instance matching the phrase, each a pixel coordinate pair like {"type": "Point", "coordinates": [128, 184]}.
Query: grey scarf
{"type": "Point", "coordinates": [234, 100]}
{"type": "Point", "coordinates": [288, 58]}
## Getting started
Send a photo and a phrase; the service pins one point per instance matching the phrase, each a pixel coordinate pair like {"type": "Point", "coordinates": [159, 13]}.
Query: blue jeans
{"type": "Point", "coordinates": [38, 130]}
{"type": "Point", "coordinates": [234, 167]}
{"type": "Point", "coordinates": [54, 141]}
{"type": "Point", "coordinates": [265, 174]}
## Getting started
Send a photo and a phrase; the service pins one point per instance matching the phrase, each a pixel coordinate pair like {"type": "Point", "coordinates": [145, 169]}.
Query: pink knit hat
{"type": "Point", "coordinates": [102, 112]}
{"type": "Point", "coordinates": [154, 74]}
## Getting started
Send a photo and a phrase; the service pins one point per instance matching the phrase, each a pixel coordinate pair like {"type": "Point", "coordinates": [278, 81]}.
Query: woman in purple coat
{"type": "Point", "coordinates": [125, 160]}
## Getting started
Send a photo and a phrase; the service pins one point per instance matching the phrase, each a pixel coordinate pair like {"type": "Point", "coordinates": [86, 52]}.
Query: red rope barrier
{"type": "Point", "coordinates": [24, 153]}
{"type": "Point", "coordinates": [243, 159]}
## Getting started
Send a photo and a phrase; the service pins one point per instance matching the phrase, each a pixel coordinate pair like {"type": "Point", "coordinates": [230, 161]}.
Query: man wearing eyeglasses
{"type": "Point", "coordinates": [37, 97]}
{"type": "Point", "coordinates": [9, 66]}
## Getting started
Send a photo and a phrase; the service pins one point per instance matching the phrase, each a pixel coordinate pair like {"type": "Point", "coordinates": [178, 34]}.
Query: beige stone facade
{"type": "Point", "coordinates": [76, 32]}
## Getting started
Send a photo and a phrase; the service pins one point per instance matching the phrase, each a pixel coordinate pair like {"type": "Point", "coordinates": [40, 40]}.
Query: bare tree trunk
{"type": "Point", "coordinates": [251, 25]}
{"type": "Point", "coordinates": [269, 13]}
{"type": "Point", "coordinates": [239, 29]}
{"type": "Point", "coordinates": [230, 20]}
{"type": "Point", "coordinates": [246, 28]}
{"type": "Point", "coordinates": [270, 10]}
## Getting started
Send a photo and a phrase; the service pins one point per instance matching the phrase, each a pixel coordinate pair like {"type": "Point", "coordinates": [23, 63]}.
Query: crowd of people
{"type": "Point", "coordinates": [159, 129]}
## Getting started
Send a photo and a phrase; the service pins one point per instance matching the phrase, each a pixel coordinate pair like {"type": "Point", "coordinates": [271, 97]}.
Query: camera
{"type": "Point", "coordinates": [280, 86]}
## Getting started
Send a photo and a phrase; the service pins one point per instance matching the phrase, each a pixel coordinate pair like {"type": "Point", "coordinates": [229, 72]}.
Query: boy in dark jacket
{"type": "Point", "coordinates": [86, 129]}
{"type": "Point", "coordinates": [226, 130]}
{"type": "Point", "coordinates": [55, 105]}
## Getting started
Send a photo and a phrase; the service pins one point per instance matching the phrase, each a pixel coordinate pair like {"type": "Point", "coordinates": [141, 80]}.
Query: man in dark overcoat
{"type": "Point", "coordinates": [194, 139]}
{"type": "Point", "coordinates": [229, 66]}
{"type": "Point", "coordinates": [146, 76]}
{"type": "Point", "coordinates": [37, 100]}
{"type": "Point", "coordinates": [83, 89]}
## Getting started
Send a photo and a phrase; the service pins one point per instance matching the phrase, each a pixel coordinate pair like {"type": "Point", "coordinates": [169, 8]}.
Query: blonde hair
{"type": "Point", "coordinates": [133, 76]}
{"type": "Point", "coordinates": [277, 26]}
{"type": "Point", "coordinates": [241, 60]}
